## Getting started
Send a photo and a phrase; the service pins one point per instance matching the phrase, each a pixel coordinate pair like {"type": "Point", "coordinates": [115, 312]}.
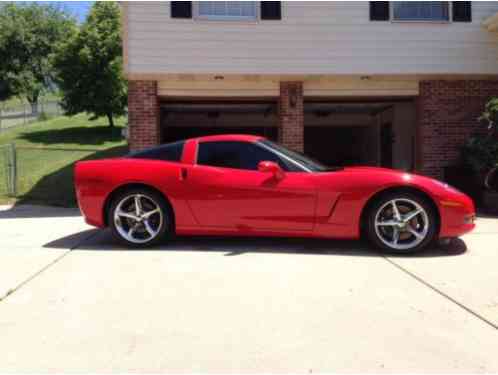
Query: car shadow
{"type": "Point", "coordinates": [102, 240]}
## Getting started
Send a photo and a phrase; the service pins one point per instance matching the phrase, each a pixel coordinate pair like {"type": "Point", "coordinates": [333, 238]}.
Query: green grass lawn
{"type": "Point", "coordinates": [15, 101]}
{"type": "Point", "coordinates": [46, 152]}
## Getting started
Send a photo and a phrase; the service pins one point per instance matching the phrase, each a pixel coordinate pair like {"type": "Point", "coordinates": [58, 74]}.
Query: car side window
{"type": "Point", "coordinates": [166, 152]}
{"type": "Point", "coordinates": [235, 154]}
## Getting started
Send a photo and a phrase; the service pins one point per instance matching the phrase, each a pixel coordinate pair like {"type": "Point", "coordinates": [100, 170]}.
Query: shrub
{"type": "Point", "coordinates": [480, 153]}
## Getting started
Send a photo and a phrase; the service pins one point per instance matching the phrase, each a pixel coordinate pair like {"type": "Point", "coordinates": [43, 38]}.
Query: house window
{"type": "Point", "coordinates": [227, 10]}
{"type": "Point", "coordinates": [420, 11]}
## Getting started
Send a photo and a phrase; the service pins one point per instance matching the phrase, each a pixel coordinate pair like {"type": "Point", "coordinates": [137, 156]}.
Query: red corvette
{"type": "Point", "coordinates": [248, 186]}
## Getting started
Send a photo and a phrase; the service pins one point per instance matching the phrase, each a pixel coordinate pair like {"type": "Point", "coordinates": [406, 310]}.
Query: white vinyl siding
{"type": "Point", "coordinates": [313, 38]}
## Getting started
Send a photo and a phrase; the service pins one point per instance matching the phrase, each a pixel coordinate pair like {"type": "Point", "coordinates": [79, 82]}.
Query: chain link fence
{"type": "Point", "coordinates": [44, 174]}
{"type": "Point", "coordinates": [8, 171]}
{"type": "Point", "coordinates": [19, 115]}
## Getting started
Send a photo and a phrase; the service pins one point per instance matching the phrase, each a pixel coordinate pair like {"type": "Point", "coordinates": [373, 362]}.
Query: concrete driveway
{"type": "Point", "coordinates": [74, 300]}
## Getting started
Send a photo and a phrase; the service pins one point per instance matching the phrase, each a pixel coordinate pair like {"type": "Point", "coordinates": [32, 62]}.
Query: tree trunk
{"type": "Point", "coordinates": [34, 108]}
{"type": "Point", "coordinates": [33, 101]}
{"type": "Point", "coordinates": [111, 120]}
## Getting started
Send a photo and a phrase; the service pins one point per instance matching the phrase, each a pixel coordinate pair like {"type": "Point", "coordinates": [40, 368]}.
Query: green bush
{"type": "Point", "coordinates": [480, 153]}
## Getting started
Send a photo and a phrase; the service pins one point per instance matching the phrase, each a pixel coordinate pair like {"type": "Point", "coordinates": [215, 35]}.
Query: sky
{"type": "Point", "coordinates": [78, 8]}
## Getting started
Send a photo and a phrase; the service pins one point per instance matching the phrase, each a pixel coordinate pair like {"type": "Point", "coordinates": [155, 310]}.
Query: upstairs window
{"type": "Point", "coordinates": [420, 11]}
{"type": "Point", "coordinates": [227, 10]}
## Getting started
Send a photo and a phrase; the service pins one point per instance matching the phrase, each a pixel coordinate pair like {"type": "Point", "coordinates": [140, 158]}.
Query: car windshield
{"type": "Point", "coordinates": [298, 158]}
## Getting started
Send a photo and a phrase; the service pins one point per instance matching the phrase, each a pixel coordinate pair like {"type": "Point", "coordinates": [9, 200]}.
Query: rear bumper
{"type": "Point", "coordinates": [94, 223]}
{"type": "Point", "coordinates": [91, 206]}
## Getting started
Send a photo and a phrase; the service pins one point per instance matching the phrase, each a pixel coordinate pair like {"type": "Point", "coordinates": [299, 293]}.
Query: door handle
{"type": "Point", "coordinates": [183, 174]}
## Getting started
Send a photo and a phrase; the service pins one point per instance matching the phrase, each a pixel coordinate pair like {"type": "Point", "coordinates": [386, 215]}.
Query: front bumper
{"type": "Point", "coordinates": [457, 215]}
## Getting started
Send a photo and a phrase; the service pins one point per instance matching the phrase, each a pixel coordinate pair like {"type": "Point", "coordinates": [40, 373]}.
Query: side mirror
{"type": "Point", "coordinates": [271, 167]}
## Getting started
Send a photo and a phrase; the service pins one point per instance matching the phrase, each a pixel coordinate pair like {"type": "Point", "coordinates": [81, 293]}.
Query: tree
{"type": "Point", "coordinates": [5, 90]}
{"type": "Point", "coordinates": [480, 151]}
{"type": "Point", "coordinates": [29, 36]}
{"type": "Point", "coordinates": [490, 115]}
{"type": "Point", "coordinates": [90, 67]}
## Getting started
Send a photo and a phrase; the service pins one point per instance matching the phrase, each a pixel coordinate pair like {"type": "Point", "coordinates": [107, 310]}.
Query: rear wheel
{"type": "Point", "coordinates": [401, 223]}
{"type": "Point", "coordinates": [139, 218]}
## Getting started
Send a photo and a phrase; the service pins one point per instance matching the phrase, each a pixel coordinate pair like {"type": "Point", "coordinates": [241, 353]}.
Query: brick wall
{"type": "Point", "coordinates": [291, 132]}
{"type": "Point", "coordinates": [447, 115]}
{"type": "Point", "coordinates": [143, 114]}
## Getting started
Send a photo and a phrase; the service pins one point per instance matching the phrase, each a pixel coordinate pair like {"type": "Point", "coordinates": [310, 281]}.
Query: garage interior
{"type": "Point", "coordinates": [182, 120]}
{"type": "Point", "coordinates": [375, 133]}
{"type": "Point", "coordinates": [381, 133]}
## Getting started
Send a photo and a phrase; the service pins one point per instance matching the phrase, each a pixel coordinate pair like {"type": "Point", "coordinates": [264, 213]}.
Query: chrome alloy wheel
{"type": "Point", "coordinates": [401, 224]}
{"type": "Point", "coordinates": [138, 218]}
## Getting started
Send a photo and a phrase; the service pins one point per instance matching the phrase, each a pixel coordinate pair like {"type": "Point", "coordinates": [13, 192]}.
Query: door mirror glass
{"type": "Point", "coordinates": [271, 167]}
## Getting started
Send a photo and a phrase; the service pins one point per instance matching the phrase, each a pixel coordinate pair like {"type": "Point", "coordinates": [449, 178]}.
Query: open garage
{"type": "Point", "coordinates": [378, 133]}
{"type": "Point", "coordinates": [186, 119]}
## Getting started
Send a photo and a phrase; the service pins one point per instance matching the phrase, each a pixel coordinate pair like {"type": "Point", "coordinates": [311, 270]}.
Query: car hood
{"type": "Point", "coordinates": [392, 177]}
{"type": "Point", "coordinates": [387, 172]}
{"type": "Point", "coordinates": [361, 168]}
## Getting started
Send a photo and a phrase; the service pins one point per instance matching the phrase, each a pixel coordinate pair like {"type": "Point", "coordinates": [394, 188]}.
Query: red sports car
{"type": "Point", "coordinates": [249, 186]}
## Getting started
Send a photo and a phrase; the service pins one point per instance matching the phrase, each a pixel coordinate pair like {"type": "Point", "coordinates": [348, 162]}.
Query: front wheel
{"type": "Point", "coordinates": [139, 218]}
{"type": "Point", "coordinates": [401, 223]}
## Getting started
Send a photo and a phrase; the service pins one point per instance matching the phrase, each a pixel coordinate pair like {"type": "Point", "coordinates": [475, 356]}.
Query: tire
{"type": "Point", "coordinates": [404, 231]}
{"type": "Point", "coordinates": [151, 226]}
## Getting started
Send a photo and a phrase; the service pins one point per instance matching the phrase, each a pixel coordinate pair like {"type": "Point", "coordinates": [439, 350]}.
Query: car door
{"type": "Point", "coordinates": [227, 191]}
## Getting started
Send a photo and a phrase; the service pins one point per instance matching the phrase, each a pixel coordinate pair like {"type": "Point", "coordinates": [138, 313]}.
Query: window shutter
{"type": "Point", "coordinates": [271, 10]}
{"type": "Point", "coordinates": [181, 9]}
{"type": "Point", "coordinates": [462, 11]}
{"type": "Point", "coordinates": [379, 10]}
